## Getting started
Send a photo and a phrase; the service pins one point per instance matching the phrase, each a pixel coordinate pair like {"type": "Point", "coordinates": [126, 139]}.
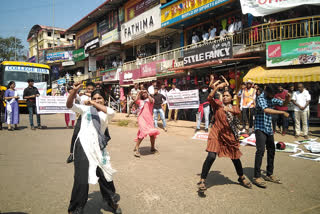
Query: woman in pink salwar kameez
{"type": "Point", "coordinates": [145, 122]}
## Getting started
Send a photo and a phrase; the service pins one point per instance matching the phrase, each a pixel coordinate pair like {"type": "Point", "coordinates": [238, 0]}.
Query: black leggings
{"type": "Point", "coordinates": [75, 133]}
{"type": "Point", "coordinates": [79, 195]}
{"type": "Point", "coordinates": [211, 158]}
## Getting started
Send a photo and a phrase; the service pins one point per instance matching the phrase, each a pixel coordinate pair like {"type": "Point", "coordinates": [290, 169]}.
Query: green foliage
{"type": "Point", "coordinates": [8, 47]}
{"type": "Point", "coordinates": [123, 123]}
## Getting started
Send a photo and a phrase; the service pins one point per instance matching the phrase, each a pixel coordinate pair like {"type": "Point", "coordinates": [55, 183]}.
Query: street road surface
{"type": "Point", "coordinates": [36, 179]}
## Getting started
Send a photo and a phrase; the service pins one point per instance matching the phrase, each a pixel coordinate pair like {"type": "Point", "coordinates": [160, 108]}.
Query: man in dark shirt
{"type": "Point", "coordinates": [30, 93]}
{"type": "Point", "coordinates": [204, 107]}
{"type": "Point", "coordinates": [157, 108]}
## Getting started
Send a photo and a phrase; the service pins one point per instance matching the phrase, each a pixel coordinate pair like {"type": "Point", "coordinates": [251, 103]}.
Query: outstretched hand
{"type": "Point", "coordinates": [77, 86]}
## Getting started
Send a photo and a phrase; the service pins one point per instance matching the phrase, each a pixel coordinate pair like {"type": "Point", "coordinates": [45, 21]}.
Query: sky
{"type": "Point", "coordinates": [18, 16]}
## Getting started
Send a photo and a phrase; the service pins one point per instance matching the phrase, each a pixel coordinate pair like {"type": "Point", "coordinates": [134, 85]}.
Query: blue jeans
{"type": "Point", "coordinates": [32, 109]}
{"type": "Point", "coordinates": [206, 112]}
{"type": "Point", "coordinates": [155, 117]}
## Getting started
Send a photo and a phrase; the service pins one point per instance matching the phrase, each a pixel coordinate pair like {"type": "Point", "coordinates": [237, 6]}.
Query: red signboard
{"type": "Point", "coordinates": [127, 77]}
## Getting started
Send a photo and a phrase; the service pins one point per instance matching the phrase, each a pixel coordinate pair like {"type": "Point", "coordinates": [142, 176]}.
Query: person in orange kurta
{"type": "Point", "coordinates": [145, 122]}
{"type": "Point", "coordinates": [223, 138]}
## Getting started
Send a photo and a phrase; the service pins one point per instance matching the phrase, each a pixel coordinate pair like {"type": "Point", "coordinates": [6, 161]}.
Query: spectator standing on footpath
{"type": "Point", "coordinates": [30, 93]}
{"type": "Point", "coordinates": [247, 105]}
{"type": "Point", "coordinates": [2, 118]}
{"type": "Point", "coordinates": [204, 108]}
{"type": "Point", "coordinates": [301, 100]}
{"type": "Point", "coordinates": [164, 92]}
{"type": "Point", "coordinates": [151, 87]}
{"type": "Point", "coordinates": [281, 95]}
{"type": "Point", "coordinates": [264, 134]}
{"type": "Point", "coordinates": [174, 89]}
{"type": "Point", "coordinates": [12, 108]}
{"type": "Point", "coordinates": [157, 109]}
{"type": "Point", "coordinates": [291, 108]}
{"type": "Point", "coordinates": [133, 94]}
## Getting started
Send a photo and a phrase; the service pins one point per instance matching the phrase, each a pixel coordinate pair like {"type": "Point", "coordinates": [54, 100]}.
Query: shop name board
{"type": "Point", "coordinates": [293, 52]}
{"type": "Point", "coordinates": [27, 69]}
{"type": "Point", "coordinates": [135, 8]}
{"type": "Point", "coordinates": [85, 35]}
{"type": "Point", "coordinates": [209, 52]}
{"type": "Point", "coordinates": [68, 63]}
{"type": "Point", "coordinates": [92, 44]}
{"type": "Point", "coordinates": [141, 25]}
{"type": "Point", "coordinates": [266, 7]}
{"type": "Point", "coordinates": [57, 56]}
{"type": "Point", "coordinates": [184, 9]}
{"type": "Point", "coordinates": [110, 37]}
{"type": "Point", "coordinates": [127, 77]}
{"type": "Point", "coordinates": [78, 55]}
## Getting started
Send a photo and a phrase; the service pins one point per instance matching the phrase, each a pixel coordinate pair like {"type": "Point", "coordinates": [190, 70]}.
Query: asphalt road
{"type": "Point", "coordinates": [34, 177]}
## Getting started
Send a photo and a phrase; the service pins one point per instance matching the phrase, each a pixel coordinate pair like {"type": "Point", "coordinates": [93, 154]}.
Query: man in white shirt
{"type": "Point", "coordinates": [223, 32]}
{"type": "Point", "coordinates": [301, 100]}
{"type": "Point", "coordinates": [195, 38]}
{"type": "Point", "coordinates": [231, 28]}
{"type": "Point", "coordinates": [205, 35]}
{"type": "Point", "coordinates": [174, 89]}
{"type": "Point", "coordinates": [213, 32]}
{"type": "Point", "coordinates": [151, 87]}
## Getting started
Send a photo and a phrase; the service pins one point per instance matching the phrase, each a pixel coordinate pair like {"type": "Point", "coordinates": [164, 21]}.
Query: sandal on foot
{"type": "Point", "coordinates": [136, 153]}
{"type": "Point", "coordinates": [243, 181]}
{"type": "Point", "coordinates": [273, 179]}
{"type": "Point", "coordinates": [260, 182]}
{"type": "Point", "coordinates": [202, 186]}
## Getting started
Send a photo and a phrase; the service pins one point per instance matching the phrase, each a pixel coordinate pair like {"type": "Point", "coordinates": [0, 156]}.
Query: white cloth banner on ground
{"type": "Point", "coordinates": [200, 136]}
{"type": "Point", "coordinates": [307, 141]}
{"type": "Point", "coordinates": [52, 105]}
{"type": "Point", "coordinates": [308, 156]}
{"type": "Point", "coordinates": [266, 7]}
{"type": "Point", "coordinates": [313, 147]}
{"type": "Point", "coordinates": [41, 86]}
{"type": "Point", "coordinates": [183, 99]}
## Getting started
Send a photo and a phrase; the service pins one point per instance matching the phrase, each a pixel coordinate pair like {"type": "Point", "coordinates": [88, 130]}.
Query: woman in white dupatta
{"type": "Point", "coordinates": [91, 159]}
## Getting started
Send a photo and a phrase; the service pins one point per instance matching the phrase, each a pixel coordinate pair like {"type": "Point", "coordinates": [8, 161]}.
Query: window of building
{"type": "Point", "coordinates": [49, 34]}
{"type": "Point", "coordinates": [49, 45]}
{"type": "Point", "coordinates": [74, 37]}
{"type": "Point", "coordinates": [62, 36]}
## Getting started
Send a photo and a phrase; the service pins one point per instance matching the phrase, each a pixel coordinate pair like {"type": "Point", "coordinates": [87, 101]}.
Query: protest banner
{"type": "Point", "coordinates": [308, 156]}
{"type": "Point", "coordinates": [41, 86]}
{"type": "Point", "coordinates": [183, 99]}
{"type": "Point", "coordinates": [52, 105]}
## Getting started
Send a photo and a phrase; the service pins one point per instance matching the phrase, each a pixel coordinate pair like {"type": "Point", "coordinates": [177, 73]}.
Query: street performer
{"type": "Point", "coordinates": [91, 158]}
{"type": "Point", "coordinates": [223, 138]}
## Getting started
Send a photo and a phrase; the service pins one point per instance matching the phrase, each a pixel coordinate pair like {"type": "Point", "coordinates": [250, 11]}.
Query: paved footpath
{"type": "Point", "coordinates": [34, 177]}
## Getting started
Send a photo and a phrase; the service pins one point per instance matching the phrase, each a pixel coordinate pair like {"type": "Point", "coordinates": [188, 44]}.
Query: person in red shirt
{"type": "Point", "coordinates": [281, 95]}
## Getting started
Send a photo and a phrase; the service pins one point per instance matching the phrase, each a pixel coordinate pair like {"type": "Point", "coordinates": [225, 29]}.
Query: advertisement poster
{"type": "Point", "coordinates": [110, 37]}
{"type": "Point", "coordinates": [218, 50]}
{"type": "Point", "coordinates": [183, 99]}
{"type": "Point", "coordinates": [127, 77]}
{"type": "Point", "coordinates": [266, 7]}
{"type": "Point", "coordinates": [52, 105]}
{"type": "Point", "coordinates": [135, 8]}
{"type": "Point", "coordinates": [184, 9]}
{"type": "Point", "coordinates": [57, 56]}
{"type": "Point", "coordinates": [293, 52]}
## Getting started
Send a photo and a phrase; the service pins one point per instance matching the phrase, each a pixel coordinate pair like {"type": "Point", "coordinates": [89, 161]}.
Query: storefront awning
{"type": "Point", "coordinates": [262, 75]}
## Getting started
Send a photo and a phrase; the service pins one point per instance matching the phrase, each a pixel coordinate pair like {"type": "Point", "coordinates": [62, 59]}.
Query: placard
{"type": "Point", "coordinates": [52, 105]}
{"type": "Point", "coordinates": [183, 99]}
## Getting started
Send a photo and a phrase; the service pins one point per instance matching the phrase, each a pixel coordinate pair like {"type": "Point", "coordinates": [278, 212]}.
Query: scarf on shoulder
{"type": "Point", "coordinates": [234, 122]}
{"type": "Point", "coordinates": [103, 138]}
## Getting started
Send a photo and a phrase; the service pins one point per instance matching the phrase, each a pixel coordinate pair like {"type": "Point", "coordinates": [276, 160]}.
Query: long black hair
{"type": "Point", "coordinates": [10, 83]}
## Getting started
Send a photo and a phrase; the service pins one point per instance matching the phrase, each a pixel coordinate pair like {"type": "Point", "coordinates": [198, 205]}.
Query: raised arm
{"type": "Point", "coordinates": [98, 106]}
{"type": "Point", "coordinates": [73, 94]}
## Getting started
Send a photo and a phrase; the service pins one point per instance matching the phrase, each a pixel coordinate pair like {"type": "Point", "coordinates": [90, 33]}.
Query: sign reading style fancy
{"type": "Point", "coordinates": [266, 7]}
{"type": "Point", "coordinates": [218, 50]}
{"type": "Point", "coordinates": [135, 8]}
{"type": "Point", "coordinates": [143, 24]}
{"type": "Point", "coordinates": [92, 44]}
{"type": "Point", "coordinates": [293, 52]}
{"type": "Point", "coordinates": [183, 9]}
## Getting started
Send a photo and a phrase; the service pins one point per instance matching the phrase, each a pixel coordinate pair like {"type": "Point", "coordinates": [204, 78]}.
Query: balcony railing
{"type": "Point", "coordinates": [277, 31]}
{"type": "Point", "coordinates": [255, 35]}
